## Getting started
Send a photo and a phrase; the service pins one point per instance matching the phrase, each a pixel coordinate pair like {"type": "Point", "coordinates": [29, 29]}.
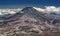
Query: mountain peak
{"type": "Point", "coordinates": [27, 8]}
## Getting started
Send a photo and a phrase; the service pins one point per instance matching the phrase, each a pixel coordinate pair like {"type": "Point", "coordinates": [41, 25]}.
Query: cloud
{"type": "Point", "coordinates": [39, 9]}
{"type": "Point", "coordinates": [9, 11]}
{"type": "Point", "coordinates": [52, 8]}
{"type": "Point", "coordinates": [48, 9]}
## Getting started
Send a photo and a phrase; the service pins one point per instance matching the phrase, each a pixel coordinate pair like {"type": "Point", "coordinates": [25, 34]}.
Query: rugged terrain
{"type": "Point", "coordinates": [30, 22]}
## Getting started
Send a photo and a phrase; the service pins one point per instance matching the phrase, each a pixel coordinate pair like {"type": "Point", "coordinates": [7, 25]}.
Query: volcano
{"type": "Point", "coordinates": [30, 20]}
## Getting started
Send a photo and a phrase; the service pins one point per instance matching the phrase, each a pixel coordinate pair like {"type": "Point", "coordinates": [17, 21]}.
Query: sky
{"type": "Point", "coordinates": [20, 3]}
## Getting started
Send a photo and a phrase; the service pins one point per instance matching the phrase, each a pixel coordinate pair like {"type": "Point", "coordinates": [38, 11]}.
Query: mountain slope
{"type": "Point", "coordinates": [29, 20]}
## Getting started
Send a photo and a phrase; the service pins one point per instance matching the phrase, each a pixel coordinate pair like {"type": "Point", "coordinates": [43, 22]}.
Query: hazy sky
{"type": "Point", "coordinates": [20, 3]}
